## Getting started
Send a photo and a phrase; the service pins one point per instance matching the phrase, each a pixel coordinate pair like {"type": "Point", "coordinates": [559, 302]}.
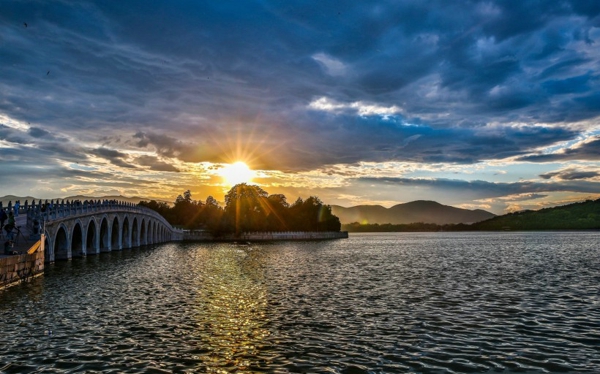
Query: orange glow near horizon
{"type": "Point", "coordinates": [236, 173]}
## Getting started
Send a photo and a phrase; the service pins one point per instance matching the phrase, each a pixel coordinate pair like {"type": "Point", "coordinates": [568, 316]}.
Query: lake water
{"type": "Point", "coordinates": [373, 303]}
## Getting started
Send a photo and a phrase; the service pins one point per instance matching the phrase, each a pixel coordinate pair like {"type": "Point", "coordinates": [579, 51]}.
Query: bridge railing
{"type": "Point", "coordinates": [40, 212]}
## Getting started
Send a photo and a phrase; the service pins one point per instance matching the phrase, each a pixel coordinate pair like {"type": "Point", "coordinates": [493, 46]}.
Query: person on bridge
{"type": "Point", "coordinates": [17, 205]}
{"type": "Point", "coordinates": [8, 248]}
{"type": "Point", "coordinates": [3, 218]}
{"type": "Point", "coordinates": [10, 226]}
{"type": "Point", "coordinates": [9, 234]}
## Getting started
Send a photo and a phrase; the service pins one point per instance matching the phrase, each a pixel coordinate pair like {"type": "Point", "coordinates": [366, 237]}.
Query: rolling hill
{"type": "Point", "coordinates": [577, 216]}
{"type": "Point", "coordinates": [5, 199]}
{"type": "Point", "coordinates": [416, 211]}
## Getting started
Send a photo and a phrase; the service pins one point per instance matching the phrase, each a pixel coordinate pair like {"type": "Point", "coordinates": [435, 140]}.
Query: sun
{"type": "Point", "coordinates": [236, 173]}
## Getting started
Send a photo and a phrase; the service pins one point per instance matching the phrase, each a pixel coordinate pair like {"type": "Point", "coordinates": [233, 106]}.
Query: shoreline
{"type": "Point", "coordinates": [268, 236]}
{"type": "Point", "coordinates": [457, 231]}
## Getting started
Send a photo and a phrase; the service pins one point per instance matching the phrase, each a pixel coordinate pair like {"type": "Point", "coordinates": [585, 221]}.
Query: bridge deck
{"type": "Point", "coordinates": [22, 242]}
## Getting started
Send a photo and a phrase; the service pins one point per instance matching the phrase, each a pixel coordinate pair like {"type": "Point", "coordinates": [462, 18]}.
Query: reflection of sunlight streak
{"type": "Point", "coordinates": [231, 313]}
{"type": "Point", "coordinates": [322, 210]}
{"type": "Point", "coordinates": [238, 216]}
{"type": "Point", "coordinates": [266, 205]}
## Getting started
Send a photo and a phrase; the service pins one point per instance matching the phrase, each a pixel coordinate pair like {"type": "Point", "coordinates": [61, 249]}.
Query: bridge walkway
{"type": "Point", "coordinates": [23, 242]}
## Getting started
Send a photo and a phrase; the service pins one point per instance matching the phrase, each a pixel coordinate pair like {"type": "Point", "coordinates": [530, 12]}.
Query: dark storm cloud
{"type": "Point", "coordinates": [18, 172]}
{"type": "Point", "coordinates": [164, 145]}
{"type": "Point", "coordinates": [170, 147]}
{"type": "Point", "coordinates": [27, 148]}
{"type": "Point", "coordinates": [11, 135]}
{"type": "Point", "coordinates": [40, 135]}
{"type": "Point", "coordinates": [571, 174]}
{"type": "Point", "coordinates": [108, 153]}
{"type": "Point", "coordinates": [59, 151]}
{"type": "Point", "coordinates": [155, 164]}
{"type": "Point", "coordinates": [570, 85]}
{"type": "Point", "coordinates": [589, 150]}
{"type": "Point", "coordinates": [384, 140]}
{"type": "Point", "coordinates": [182, 76]}
{"type": "Point", "coordinates": [36, 132]}
{"type": "Point", "coordinates": [113, 156]}
{"type": "Point", "coordinates": [484, 189]}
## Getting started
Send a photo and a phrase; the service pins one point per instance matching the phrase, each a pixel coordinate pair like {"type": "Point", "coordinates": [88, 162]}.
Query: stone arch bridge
{"type": "Point", "coordinates": [77, 229]}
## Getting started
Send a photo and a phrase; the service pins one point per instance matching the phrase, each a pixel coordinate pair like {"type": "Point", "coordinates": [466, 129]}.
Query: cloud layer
{"type": "Point", "coordinates": [157, 86]}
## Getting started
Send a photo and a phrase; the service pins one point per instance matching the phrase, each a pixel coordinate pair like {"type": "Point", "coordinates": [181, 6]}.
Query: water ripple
{"type": "Point", "coordinates": [443, 302]}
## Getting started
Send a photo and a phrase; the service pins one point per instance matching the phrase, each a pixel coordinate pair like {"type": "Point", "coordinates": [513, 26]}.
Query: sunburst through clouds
{"type": "Point", "coordinates": [236, 173]}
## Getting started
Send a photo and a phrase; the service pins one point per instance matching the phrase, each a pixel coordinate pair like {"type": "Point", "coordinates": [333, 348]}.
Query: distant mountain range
{"type": "Point", "coordinates": [416, 211]}
{"type": "Point", "coordinates": [584, 215]}
{"type": "Point", "coordinates": [13, 198]}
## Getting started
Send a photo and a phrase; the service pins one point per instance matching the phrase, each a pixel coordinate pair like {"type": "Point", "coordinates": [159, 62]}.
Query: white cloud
{"type": "Point", "coordinates": [498, 90]}
{"type": "Point", "coordinates": [332, 66]}
{"type": "Point", "coordinates": [474, 206]}
{"type": "Point", "coordinates": [13, 123]}
{"type": "Point", "coordinates": [359, 107]}
{"type": "Point", "coordinates": [488, 9]}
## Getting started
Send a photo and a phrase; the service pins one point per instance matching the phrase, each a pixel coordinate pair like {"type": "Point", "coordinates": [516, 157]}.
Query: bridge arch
{"type": "Point", "coordinates": [77, 240]}
{"type": "Point", "coordinates": [125, 236]}
{"type": "Point", "coordinates": [115, 242]}
{"type": "Point", "coordinates": [135, 237]}
{"type": "Point", "coordinates": [48, 248]}
{"type": "Point", "coordinates": [75, 229]}
{"type": "Point", "coordinates": [149, 232]}
{"type": "Point", "coordinates": [104, 242]}
{"type": "Point", "coordinates": [91, 238]}
{"type": "Point", "coordinates": [143, 239]}
{"type": "Point", "coordinates": [61, 244]}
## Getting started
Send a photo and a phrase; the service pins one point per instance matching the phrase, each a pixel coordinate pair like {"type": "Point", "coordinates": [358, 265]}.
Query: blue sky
{"type": "Point", "coordinates": [477, 104]}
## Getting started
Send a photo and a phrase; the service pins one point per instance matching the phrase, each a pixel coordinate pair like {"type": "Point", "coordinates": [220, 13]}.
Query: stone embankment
{"type": "Point", "coordinates": [17, 268]}
{"type": "Point", "coordinates": [203, 236]}
{"type": "Point", "coordinates": [75, 229]}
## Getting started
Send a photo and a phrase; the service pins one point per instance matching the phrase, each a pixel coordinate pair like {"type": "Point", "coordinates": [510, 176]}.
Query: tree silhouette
{"type": "Point", "coordinates": [185, 210]}
{"type": "Point", "coordinates": [313, 215]}
{"type": "Point", "coordinates": [248, 208]}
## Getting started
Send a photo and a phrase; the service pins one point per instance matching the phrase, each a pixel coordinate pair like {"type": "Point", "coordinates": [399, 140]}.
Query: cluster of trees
{"type": "Point", "coordinates": [577, 216]}
{"type": "Point", "coordinates": [248, 208]}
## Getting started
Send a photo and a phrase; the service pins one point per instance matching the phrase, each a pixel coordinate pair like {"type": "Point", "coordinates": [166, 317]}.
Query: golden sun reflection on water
{"type": "Point", "coordinates": [231, 313]}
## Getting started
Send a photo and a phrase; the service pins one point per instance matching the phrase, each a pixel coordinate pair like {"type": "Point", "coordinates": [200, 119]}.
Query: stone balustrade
{"type": "Point", "coordinates": [47, 211]}
{"type": "Point", "coordinates": [80, 228]}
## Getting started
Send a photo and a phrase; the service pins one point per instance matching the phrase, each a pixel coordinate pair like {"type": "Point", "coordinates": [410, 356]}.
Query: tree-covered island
{"type": "Point", "coordinates": [248, 208]}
